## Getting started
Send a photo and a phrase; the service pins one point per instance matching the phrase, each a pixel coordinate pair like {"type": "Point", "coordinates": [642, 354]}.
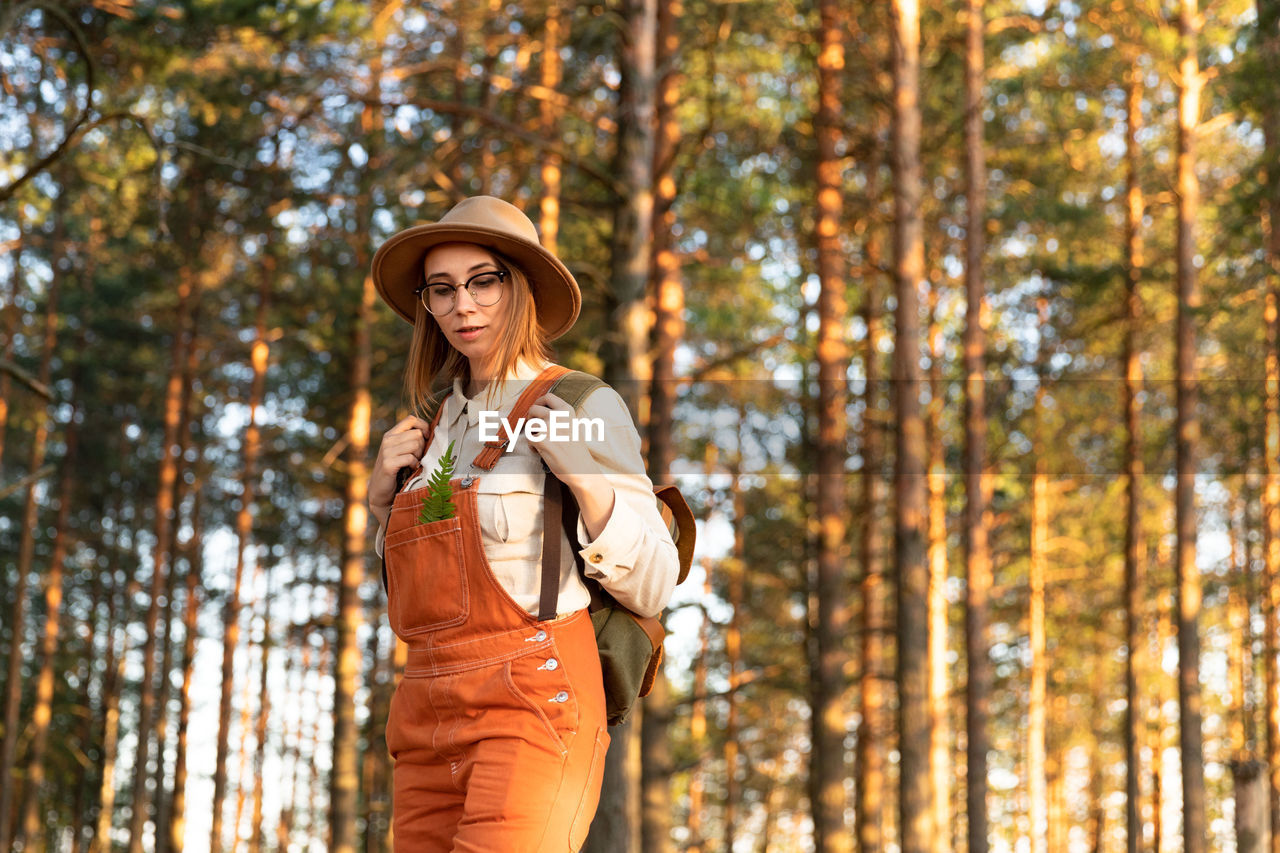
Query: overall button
{"type": "Point", "coordinates": [562, 696]}
{"type": "Point", "coordinates": [551, 665]}
{"type": "Point", "coordinates": [537, 638]}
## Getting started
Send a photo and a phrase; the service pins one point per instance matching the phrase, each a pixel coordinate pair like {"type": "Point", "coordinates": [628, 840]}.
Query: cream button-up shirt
{"type": "Point", "coordinates": [634, 557]}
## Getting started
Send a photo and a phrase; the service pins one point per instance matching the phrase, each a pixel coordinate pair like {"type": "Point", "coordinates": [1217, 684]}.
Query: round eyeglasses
{"type": "Point", "coordinates": [485, 289]}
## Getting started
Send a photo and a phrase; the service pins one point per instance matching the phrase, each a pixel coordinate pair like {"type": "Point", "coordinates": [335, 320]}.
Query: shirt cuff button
{"type": "Point", "coordinates": [596, 557]}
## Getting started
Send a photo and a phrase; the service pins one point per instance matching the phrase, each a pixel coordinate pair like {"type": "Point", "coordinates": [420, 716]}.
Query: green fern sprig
{"type": "Point", "coordinates": [437, 506]}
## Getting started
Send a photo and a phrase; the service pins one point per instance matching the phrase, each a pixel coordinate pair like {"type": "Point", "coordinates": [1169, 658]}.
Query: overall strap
{"type": "Point", "coordinates": [553, 511]}
{"type": "Point", "coordinates": [493, 450]}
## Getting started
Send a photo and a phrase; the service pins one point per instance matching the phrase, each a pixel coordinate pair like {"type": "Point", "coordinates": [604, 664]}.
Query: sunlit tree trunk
{"type": "Point", "coordinates": [1269, 50]}
{"type": "Point", "coordinates": [244, 530]}
{"type": "Point", "coordinates": [344, 780]}
{"type": "Point", "coordinates": [735, 568]}
{"type": "Point", "coordinates": [976, 521]}
{"type": "Point", "coordinates": [1191, 747]}
{"type": "Point", "coordinates": [625, 354]}
{"type": "Point", "coordinates": [668, 303]}
{"type": "Point", "coordinates": [873, 728]}
{"type": "Point", "coordinates": [260, 731]}
{"type": "Point", "coordinates": [915, 804]}
{"type": "Point", "coordinates": [939, 730]}
{"type": "Point", "coordinates": [30, 833]}
{"type": "Point", "coordinates": [113, 682]}
{"type": "Point", "coordinates": [1134, 543]}
{"type": "Point", "coordinates": [827, 762]}
{"type": "Point", "coordinates": [190, 621]}
{"type": "Point", "coordinates": [173, 837]}
{"type": "Point", "coordinates": [161, 558]}
{"type": "Point", "coordinates": [549, 203]}
{"type": "Point", "coordinates": [9, 788]}
{"type": "Point", "coordinates": [8, 326]}
{"type": "Point", "coordinates": [1037, 785]}
{"type": "Point", "coordinates": [698, 716]}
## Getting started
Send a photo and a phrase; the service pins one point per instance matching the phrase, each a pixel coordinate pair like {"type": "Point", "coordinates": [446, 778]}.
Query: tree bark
{"type": "Point", "coordinates": [1037, 785]}
{"type": "Point", "coordinates": [161, 558]}
{"type": "Point", "coordinates": [827, 761]}
{"type": "Point", "coordinates": [656, 767]}
{"type": "Point", "coordinates": [244, 530]}
{"type": "Point", "coordinates": [1269, 49]}
{"type": "Point", "coordinates": [873, 728]}
{"type": "Point", "coordinates": [915, 802]}
{"type": "Point", "coordinates": [256, 836]}
{"type": "Point", "coordinates": [551, 71]}
{"type": "Point", "coordinates": [171, 835]}
{"type": "Point", "coordinates": [976, 520]}
{"type": "Point", "coordinates": [1191, 745]}
{"type": "Point", "coordinates": [616, 825]}
{"type": "Point", "coordinates": [1249, 783]}
{"type": "Point", "coordinates": [9, 787]}
{"type": "Point", "coordinates": [939, 730]}
{"type": "Point", "coordinates": [30, 833]}
{"type": "Point", "coordinates": [1134, 543]}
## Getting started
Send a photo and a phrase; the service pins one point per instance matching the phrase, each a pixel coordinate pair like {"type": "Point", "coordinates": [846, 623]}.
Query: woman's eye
{"type": "Point", "coordinates": [442, 291]}
{"type": "Point", "coordinates": [484, 281]}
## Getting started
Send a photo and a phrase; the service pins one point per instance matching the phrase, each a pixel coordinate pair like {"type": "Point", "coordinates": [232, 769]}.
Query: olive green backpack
{"type": "Point", "coordinates": [630, 644]}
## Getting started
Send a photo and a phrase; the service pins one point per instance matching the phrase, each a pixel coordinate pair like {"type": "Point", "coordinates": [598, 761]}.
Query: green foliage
{"type": "Point", "coordinates": [436, 505]}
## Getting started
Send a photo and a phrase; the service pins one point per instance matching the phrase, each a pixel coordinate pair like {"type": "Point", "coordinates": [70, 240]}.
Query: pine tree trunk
{"type": "Point", "coordinates": [344, 783]}
{"type": "Point", "coordinates": [190, 621]}
{"type": "Point", "coordinates": [9, 787]}
{"type": "Point", "coordinates": [551, 71]}
{"type": "Point", "coordinates": [9, 326]}
{"type": "Point", "coordinates": [1037, 785]}
{"type": "Point", "coordinates": [1269, 49]}
{"type": "Point", "coordinates": [244, 531]}
{"type": "Point", "coordinates": [915, 804]}
{"type": "Point", "coordinates": [698, 713]}
{"type": "Point", "coordinates": [939, 730]}
{"type": "Point", "coordinates": [114, 684]}
{"type": "Point", "coordinates": [616, 827]}
{"type": "Point", "coordinates": [171, 832]}
{"type": "Point", "coordinates": [29, 834]}
{"type": "Point", "coordinates": [1134, 544]}
{"type": "Point", "coordinates": [1190, 744]}
{"type": "Point", "coordinates": [656, 766]}
{"type": "Point", "coordinates": [161, 560]}
{"type": "Point", "coordinates": [256, 837]}
{"type": "Point", "coordinates": [873, 728]}
{"type": "Point", "coordinates": [733, 651]}
{"type": "Point", "coordinates": [1249, 783]}
{"type": "Point", "coordinates": [827, 761]}
{"type": "Point", "coordinates": [976, 519]}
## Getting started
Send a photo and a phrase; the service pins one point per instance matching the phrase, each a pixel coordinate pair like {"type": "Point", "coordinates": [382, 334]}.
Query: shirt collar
{"type": "Point", "coordinates": [518, 379]}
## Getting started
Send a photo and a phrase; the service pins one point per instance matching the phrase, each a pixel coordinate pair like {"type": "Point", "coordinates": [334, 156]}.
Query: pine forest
{"type": "Point", "coordinates": [957, 322]}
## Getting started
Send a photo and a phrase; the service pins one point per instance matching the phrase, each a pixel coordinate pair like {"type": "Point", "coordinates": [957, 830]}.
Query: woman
{"type": "Point", "coordinates": [498, 726]}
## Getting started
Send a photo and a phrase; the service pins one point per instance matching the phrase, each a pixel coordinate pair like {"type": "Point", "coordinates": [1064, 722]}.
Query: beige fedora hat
{"type": "Point", "coordinates": [494, 224]}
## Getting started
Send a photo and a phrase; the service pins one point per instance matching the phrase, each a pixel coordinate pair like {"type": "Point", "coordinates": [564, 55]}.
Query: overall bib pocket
{"type": "Point", "coordinates": [426, 580]}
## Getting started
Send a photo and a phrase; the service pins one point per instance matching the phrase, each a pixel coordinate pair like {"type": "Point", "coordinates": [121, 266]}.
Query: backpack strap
{"type": "Point", "coordinates": [493, 450]}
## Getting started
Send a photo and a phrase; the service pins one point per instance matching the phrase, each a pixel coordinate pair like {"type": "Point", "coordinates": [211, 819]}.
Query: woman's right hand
{"type": "Point", "coordinates": [403, 444]}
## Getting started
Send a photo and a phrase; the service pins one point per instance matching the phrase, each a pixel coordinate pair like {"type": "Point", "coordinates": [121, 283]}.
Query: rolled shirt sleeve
{"type": "Point", "coordinates": [634, 557]}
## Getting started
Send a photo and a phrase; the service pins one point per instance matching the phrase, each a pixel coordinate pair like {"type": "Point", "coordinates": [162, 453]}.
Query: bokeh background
{"type": "Point", "coordinates": [955, 321]}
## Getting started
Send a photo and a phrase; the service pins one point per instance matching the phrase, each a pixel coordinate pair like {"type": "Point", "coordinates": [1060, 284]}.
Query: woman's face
{"type": "Point", "coordinates": [471, 329]}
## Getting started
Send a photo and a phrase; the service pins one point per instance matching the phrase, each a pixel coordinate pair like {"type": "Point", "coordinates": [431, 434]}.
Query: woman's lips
{"type": "Point", "coordinates": [470, 334]}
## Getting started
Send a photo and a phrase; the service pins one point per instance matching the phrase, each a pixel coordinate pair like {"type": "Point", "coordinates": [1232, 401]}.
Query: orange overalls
{"type": "Point", "coordinates": [498, 727]}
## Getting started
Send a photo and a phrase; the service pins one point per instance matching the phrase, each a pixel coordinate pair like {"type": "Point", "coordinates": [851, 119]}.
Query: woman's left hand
{"type": "Point", "coordinates": [571, 461]}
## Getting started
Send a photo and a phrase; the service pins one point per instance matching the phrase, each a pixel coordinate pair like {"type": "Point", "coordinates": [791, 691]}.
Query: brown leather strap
{"type": "Point", "coordinates": [552, 511]}
{"type": "Point", "coordinates": [493, 450]}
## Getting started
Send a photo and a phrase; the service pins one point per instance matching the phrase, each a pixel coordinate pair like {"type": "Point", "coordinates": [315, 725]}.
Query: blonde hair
{"type": "Point", "coordinates": [433, 362]}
